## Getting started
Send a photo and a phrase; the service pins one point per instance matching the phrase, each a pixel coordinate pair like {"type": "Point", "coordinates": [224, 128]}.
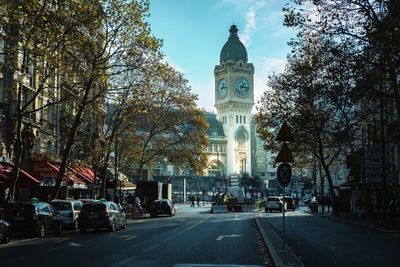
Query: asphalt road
{"type": "Point", "coordinates": [190, 238]}
{"type": "Point", "coordinates": [320, 241]}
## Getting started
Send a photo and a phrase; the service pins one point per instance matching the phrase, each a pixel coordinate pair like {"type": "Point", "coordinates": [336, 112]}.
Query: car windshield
{"type": "Point", "coordinates": [273, 199]}
{"type": "Point", "coordinates": [62, 206]}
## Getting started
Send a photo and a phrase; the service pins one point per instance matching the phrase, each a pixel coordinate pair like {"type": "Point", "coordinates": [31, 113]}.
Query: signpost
{"type": "Point", "coordinates": [284, 174]}
{"type": "Point", "coordinates": [284, 171]}
{"type": "Point", "coordinates": [373, 164]}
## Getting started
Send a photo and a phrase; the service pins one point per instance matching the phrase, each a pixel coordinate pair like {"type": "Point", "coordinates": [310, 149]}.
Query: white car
{"type": "Point", "coordinates": [274, 203]}
{"type": "Point", "coordinates": [69, 211]}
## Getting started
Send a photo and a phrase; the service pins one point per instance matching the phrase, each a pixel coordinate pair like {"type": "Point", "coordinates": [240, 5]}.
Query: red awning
{"type": "Point", "coordinates": [24, 179]}
{"type": "Point", "coordinates": [84, 172]}
{"type": "Point", "coordinates": [47, 172]}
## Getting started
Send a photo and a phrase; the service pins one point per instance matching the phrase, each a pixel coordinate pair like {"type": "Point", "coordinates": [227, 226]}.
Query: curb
{"type": "Point", "coordinates": [276, 257]}
{"type": "Point", "coordinates": [339, 219]}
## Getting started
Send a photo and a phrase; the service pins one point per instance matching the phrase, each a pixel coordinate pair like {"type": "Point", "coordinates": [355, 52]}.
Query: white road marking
{"type": "Point", "coordinates": [220, 237]}
{"type": "Point", "coordinates": [123, 262]}
{"type": "Point", "coordinates": [61, 240]}
{"type": "Point", "coordinates": [151, 247]}
{"type": "Point", "coordinates": [169, 238]}
{"type": "Point", "coordinates": [193, 226]}
{"type": "Point", "coordinates": [131, 237]}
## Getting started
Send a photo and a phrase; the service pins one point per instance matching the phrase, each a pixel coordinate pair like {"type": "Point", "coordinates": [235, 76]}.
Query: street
{"type": "Point", "coordinates": [193, 236]}
{"type": "Point", "coordinates": [320, 241]}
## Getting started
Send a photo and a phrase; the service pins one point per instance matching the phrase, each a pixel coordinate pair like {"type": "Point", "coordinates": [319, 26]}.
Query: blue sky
{"type": "Point", "coordinates": [194, 32]}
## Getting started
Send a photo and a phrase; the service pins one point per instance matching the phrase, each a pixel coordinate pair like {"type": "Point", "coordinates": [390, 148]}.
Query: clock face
{"type": "Point", "coordinates": [222, 88]}
{"type": "Point", "coordinates": [242, 87]}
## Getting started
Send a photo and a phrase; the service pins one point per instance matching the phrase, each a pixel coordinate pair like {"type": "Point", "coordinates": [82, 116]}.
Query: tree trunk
{"type": "Point", "coordinates": [334, 199]}
{"type": "Point", "coordinates": [17, 146]}
{"type": "Point", "coordinates": [71, 141]}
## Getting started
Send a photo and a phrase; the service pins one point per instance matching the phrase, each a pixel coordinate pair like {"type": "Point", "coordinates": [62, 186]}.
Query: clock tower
{"type": "Point", "coordinates": [234, 100]}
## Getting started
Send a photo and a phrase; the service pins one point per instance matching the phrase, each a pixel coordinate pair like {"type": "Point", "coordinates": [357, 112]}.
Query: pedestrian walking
{"type": "Point", "coordinates": [198, 201]}
{"type": "Point", "coordinates": [192, 201]}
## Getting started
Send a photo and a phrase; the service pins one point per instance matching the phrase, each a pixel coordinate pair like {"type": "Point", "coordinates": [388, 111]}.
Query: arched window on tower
{"type": "Point", "coordinates": [241, 140]}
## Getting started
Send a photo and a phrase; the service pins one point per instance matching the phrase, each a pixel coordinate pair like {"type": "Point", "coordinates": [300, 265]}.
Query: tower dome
{"type": "Point", "coordinates": [233, 49]}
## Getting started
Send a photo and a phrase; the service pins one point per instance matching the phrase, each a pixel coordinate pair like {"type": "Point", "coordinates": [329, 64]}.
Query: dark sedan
{"type": "Point", "coordinates": [37, 218]}
{"type": "Point", "coordinates": [290, 202]}
{"type": "Point", "coordinates": [162, 206]}
{"type": "Point", "coordinates": [4, 232]}
{"type": "Point", "coordinates": [107, 214]}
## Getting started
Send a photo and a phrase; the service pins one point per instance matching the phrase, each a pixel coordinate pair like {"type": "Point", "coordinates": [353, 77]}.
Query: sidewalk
{"type": "Point", "coordinates": [357, 220]}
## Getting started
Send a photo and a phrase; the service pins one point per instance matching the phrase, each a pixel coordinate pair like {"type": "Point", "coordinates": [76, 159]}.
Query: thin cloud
{"type": "Point", "coordinates": [249, 28]}
{"type": "Point", "coordinates": [250, 7]}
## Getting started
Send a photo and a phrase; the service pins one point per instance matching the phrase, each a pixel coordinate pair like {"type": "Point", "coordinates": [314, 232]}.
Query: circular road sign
{"type": "Point", "coordinates": [284, 174]}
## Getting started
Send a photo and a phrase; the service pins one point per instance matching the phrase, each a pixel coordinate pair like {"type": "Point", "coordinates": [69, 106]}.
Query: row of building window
{"type": "Point", "coordinates": [216, 148]}
{"type": "Point", "coordinates": [239, 119]}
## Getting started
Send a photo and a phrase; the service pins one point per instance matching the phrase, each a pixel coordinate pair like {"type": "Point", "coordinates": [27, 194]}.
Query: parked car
{"type": "Point", "coordinates": [290, 203]}
{"type": "Point", "coordinates": [87, 200]}
{"type": "Point", "coordinates": [162, 206]}
{"type": "Point", "coordinates": [104, 214]}
{"type": "Point", "coordinates": [4, 232]}
{"type": "Point", "coordinates": [37, 218]}
{"type": "Point", "coordinates": [274, 203]}
{"type": "Point", "coordinates": [69, 211]}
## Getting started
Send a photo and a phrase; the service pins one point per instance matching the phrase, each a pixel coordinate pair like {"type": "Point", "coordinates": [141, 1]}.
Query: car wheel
{"type": "Point", "coordinates": [41, 230]}
{"type": "Point", "coordinates": [59, 228]}
{"type": "Point", "coordinates": [112, 226]}
{"type": "Point", "coordinates": [125, 225]}
{"type": "Point", "coordinates": [82, 230]}
{"type": "Point", "coordinates": [6, 237]}
{"type": "Point", "coordinates": [75, 226]}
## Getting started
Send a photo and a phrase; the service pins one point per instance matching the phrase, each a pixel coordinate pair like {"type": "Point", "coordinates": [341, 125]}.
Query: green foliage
{"type": "Point", "coordinates": [164, 124]}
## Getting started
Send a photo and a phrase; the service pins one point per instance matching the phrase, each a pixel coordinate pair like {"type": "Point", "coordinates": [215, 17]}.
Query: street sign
{"type": "Point", "coordinates": [284, 174]}
{"type": "Point", "coordinates": [373, 164]}
{"type": "Point", "coordinates": [285, 134]}
{"type": "Point", "coordinates": [284, 154]}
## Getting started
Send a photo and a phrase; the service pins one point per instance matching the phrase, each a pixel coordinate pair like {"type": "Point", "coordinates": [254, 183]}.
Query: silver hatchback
{"type": "Point", "coordinates": [69, 211]}
{"type": "Point", "coordinates": [274, 203]}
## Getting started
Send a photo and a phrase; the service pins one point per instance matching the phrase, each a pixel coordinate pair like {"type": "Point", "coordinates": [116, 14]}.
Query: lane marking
{"type": "Point", "coordinates": [220, 237]}
{"type": "Point", "coordinates": [181, 232]}
{"type": "Point", "coordinates": [169, 238]}
{"type": "Point", "coordinates": [61, 240]}
{"type": "Point", "coordinates": [123, 262]}
{"type": "Point", "coordinates": [197, 224]}
{"type": "Point", "coordinates": [130, 238]}
{"type": "Point", "coordinates": [151, 247]}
